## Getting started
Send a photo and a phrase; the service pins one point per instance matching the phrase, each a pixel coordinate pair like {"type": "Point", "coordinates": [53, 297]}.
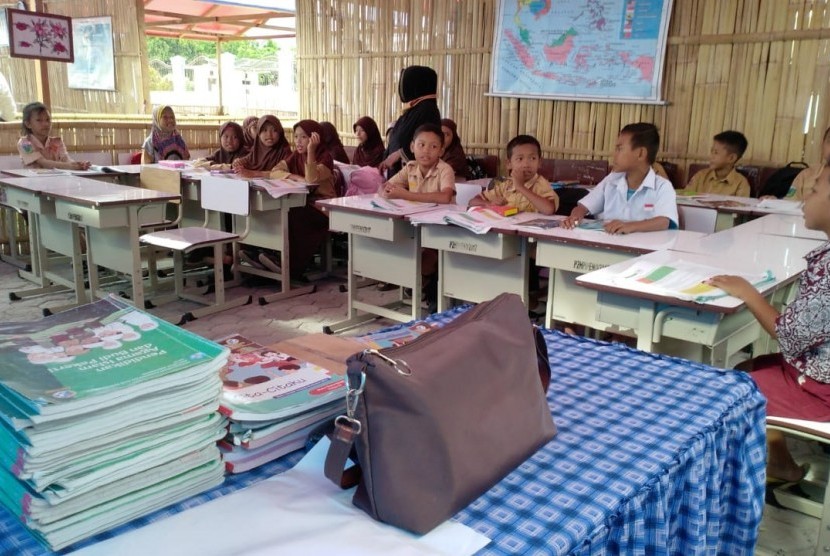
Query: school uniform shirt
{"type": "Point", "coordinates": [733, 184]}
{"type": "Point", "coordinates": [31, 150]}
{"type": "Point", "coordinates": [802, 183]}
{"type": "Point", "coordinates": [507, 190]}
{"type": "Point", "coordinates": [318, 175]}
{"type": "Point", "coordinates": [610, 199]}
{"type": "Point", "coordinates": [439, 178]}
{"type": "Point", "coordinates": [803, 328]}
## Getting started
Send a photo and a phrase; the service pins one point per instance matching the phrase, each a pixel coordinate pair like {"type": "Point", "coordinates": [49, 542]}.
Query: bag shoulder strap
{"type": "Point", "coordinates": [342, 441]}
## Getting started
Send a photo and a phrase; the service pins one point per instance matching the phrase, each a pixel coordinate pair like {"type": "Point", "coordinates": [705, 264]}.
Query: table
{"type": "Point", "coordinates": [46, 233]}
{"type": "Point", "coordinates": [477, 267]}
{"type": "Point", "coordinates": [382, 246]}
{"type": "Point", "coordinates": [653, 455]}
{"type": "Point", "coordinates": [570, 253]}
{"type": "Point", "coordinates": [713, 330]}
{"type": "Point", "coordinates": [782, 225]}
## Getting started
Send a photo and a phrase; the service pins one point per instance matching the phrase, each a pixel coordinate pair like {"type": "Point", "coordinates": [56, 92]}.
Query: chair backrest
{"type": "Point", "coordinates": [697, 219]}
{"type": "Point", "coordinates": [10, 162]}
{"type": "Point", "coordinates": [583, 171]}
{"type": "Point", "coordinates": [227, 195]}
{"type": "Point", "coordinates": [160, 179]}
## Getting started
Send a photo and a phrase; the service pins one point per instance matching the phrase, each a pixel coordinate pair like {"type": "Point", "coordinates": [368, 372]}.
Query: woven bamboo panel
{"type": "Point", "coordinates": [749, 65]}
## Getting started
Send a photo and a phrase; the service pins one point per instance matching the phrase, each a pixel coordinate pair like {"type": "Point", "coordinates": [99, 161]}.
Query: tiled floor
{"type": "Point", "coordinates": [783, 532]}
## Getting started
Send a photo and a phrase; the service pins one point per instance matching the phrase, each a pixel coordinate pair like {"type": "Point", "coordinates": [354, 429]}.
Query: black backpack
{"type": "Point", "coordinates": [779, 182]}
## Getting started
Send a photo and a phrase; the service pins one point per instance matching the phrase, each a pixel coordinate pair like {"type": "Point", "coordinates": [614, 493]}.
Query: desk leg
{"type": "Point", "coordinates": [13, 258]}
{"type": "Point", "coordinates": [135, 253]}
{"type": "Point", "coordinates": [40, 265]}
{"type": "Point", "coordinates": [645, 328]}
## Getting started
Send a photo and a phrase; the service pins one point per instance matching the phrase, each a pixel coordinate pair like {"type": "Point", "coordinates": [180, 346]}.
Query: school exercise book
{"type": "Point", "coordinates": [94, 356]}
{"type": "Point", "coordinates": [260, 384]}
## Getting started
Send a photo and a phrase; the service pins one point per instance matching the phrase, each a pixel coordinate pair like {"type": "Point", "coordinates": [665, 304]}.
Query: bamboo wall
{"type": "Point", "coordinates": [750, 65]}
{"type": "Point", "coordinates": [128, 41]}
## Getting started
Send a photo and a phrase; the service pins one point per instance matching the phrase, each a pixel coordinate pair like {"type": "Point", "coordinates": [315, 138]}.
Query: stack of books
{"type": "Point", "coordinates": [273, 401]}
{"type": "Point", "coordinates": [106, 414]}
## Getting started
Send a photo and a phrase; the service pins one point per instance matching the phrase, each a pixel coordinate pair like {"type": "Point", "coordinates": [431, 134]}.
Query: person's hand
{"type": "Point", "coordinates": [619, 227]}
{"type": "Point", "coordinates": [313, 143]}
{"type": "Point", "coordinates": [81, 165]}
{"type": "Point", "coordinates": [498, 200]}
{"type": "Point", "coordinates": [389, 161]}
{"type": "Point", "coordinates": [390, 191]}
{"type": "Point", "coordinates": [733, 285]}
{"type": "Point", "coordinates": [570, 222]}
{"type": "Point", "coordinates": [237, 166]}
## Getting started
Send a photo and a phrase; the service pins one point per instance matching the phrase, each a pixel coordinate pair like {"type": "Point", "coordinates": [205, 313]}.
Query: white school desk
{"type": "Point", "coordinates": [382, 246]}
{"type": "Point", "coordinates": [110, 215]}
{"type": "Point", "coordinates": [570, 253]}
{"type": "Point", "coordinates": [477, 267]}
{"type": "Point", "coordinates": [788, 225]}
{"type": "Point", "coordinates": [269, 230]}
{"type": "Point", "coordinates": [710, 332]}
{"type": "Point", "coordinates": [46, 233]}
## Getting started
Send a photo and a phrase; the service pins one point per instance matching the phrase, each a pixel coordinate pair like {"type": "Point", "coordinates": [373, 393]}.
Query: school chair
{"type": "Point", "coordinates": [697, 219]}
{"type": "Point", "coordinates": [96, 158]}
{"type": "Point", "coordinates": [218, 194]}
{"type": "Point", "coordinates": [587, 172]}
{"type": "Point", "coordinates": [817, 432]}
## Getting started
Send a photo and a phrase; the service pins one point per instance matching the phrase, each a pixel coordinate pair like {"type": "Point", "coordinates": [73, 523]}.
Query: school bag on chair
{"type": "Point", "coordinates": [437, 422]}
{"type": "Point", "coordinates": [779, 182]}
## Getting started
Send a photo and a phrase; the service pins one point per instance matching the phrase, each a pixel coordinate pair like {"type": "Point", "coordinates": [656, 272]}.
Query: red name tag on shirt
{"type": "Point", "coordinates": [649, 206]}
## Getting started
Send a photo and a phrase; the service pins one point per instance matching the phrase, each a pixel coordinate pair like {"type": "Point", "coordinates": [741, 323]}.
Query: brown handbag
{"type": "Point", "coordinates": [437, 422]}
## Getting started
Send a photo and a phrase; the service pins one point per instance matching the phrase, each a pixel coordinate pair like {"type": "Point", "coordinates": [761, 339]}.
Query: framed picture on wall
{"type": "Point", "coordinates": [94, 65]}
{"type": "Point", "coordinates": [39, 35]}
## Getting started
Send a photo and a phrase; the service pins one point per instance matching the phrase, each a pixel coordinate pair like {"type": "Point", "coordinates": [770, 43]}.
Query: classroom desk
{"type": "Point", "coordinates": [653, 455]}
{"type": "Point", "coordinates": [788, 225]}
{"type": "Point", "coordinates": [571, 253]}
{"type": "Point", "coordinates": [382, 246]}
{"type": "Point", "coordinates": [110, 215]}
{"type": "Point", "coordinates": [711, 331]}
{"type": "Point", "coordinates": [477, 267]}
{"type": "Point", "coordinates": [46, 233]}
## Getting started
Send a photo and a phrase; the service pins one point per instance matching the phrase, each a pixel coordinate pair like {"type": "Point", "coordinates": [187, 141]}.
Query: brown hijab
{"type": "Point", "coordinates": [370, 152]}
{"type": "Point", "coordinates": [454, 152]}
{"type": "Point", "coordinates": [262, 158]}
{"type": "Point", "coordinates": [296, 161]}
{"type": "Point", "coordinates": [250, 139]}
{"type": "Point", "coordinates": [221, 156]}
{"type": "Point", "coordinates": [331, 139]}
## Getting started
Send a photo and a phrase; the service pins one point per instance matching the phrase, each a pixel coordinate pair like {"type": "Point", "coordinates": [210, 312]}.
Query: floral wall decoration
{"type": "Point", "coordinates": [40, 35]}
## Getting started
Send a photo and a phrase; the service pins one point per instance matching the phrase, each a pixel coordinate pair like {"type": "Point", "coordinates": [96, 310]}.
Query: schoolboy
{"type": "Point", "coordinates": [427, 178]}
{"type": "Point", "coordinates": [721, 178]}
{"type": "Point", "coordinates": [525, 189]}
{"type": "Point", "coordinates": [632, 198]}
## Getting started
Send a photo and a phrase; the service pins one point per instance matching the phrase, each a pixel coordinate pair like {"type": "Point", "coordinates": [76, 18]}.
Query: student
{"type": "Point", "coordinates": [332, 143]}
{"type": "Point", "coordinates": [805, 179]}
{"type": "Point", "coordinates": [231, 147]}
{"type": "Point", "coordinates": [453, 151]}
{"type": "Point", "coordinates": [417, 87]}
{"type": "Point", "coordinates": [427, 178]}
{"type": "Point", "coordinates": [307, 225]}
{"type": "Point", "coordinates": [796, 381]}
{"type": "Point", "coordinates": [632, 198]}
{"type": "Point", "coordinates": [249, 131]}
{"type": "Point", "coordinates": [37, 149]}
{"type": "Point", "coordinates": [525, 189]}
{"type": "Point", "coordinates": [271, 147]}
{"type": "Point", "coordinates": [721, 178]}
{"type": "Point", "coordinates": [369, 151]}
{"type": "Point", "coordinates": [164, 142]}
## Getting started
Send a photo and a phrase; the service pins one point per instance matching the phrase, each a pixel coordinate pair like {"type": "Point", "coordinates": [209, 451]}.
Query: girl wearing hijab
{"type": "Point", "coordinates": [332, 143]}
{"type": "Point", "coordinates": [453, 151]}
{"type": "Point", "coordinates": [164, 141]}
{"type": "Point", "coordinates": [249, 130]}
{"type": "Point", "coordinates": [369, 151]}
{"type": "Point", "coordinates": [417, 88]}
{"type": "Point", "coordinates": [270, 148]}
{"type": "Point", "coordinates": [307, 225]}
{"type": "Point", "coordinates": [231, 147]}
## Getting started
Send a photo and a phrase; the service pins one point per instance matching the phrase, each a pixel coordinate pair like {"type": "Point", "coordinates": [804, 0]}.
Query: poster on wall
{"type": "Point", "coordinates": [591, 50]}
{"type": "Point", "coordinates": [94, 66]}
{"type": "Point", "coordinates": [39, 35]}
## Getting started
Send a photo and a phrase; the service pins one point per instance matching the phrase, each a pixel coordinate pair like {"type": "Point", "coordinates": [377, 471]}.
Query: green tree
{"type": "Point", "coordinates": [160, 48]}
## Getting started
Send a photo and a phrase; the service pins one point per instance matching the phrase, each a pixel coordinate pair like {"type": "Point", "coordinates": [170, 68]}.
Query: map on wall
{"type": "Point", "coordinates": [596, 50]}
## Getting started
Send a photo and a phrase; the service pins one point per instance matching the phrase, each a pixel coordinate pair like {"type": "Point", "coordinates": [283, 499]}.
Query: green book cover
{"type": "Point", "coordinates": [91, 350]}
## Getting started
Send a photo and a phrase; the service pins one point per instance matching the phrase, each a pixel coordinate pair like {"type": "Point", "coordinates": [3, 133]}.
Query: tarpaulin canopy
{"type": "Point", "coordinates": [216, 19]}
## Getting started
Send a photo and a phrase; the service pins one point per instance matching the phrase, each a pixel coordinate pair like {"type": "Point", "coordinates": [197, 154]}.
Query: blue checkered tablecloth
{"type": "Point", "coordinates": [653, 455]}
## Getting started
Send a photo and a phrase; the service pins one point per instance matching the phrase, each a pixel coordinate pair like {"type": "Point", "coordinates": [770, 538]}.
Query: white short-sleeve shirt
{"type": "Point", "coordinates": [609, 200]}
